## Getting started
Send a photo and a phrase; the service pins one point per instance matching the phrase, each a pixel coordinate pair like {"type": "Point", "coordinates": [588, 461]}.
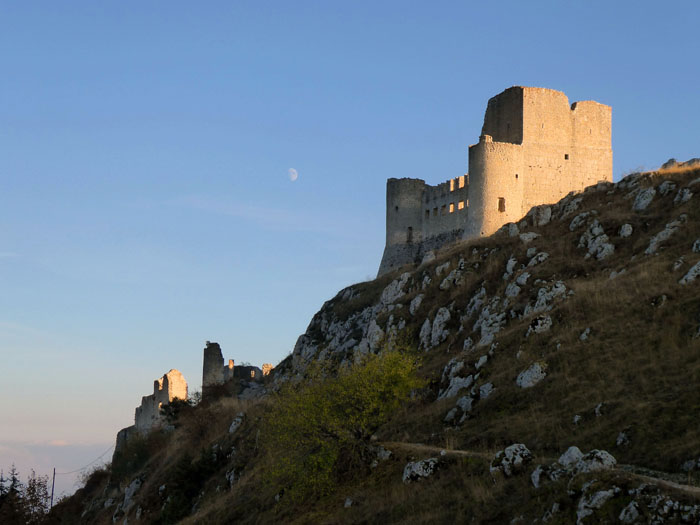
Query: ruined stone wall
{"type": "Point", "coordinates": [165, 389]}
{"type": "Point", "coordinates": [416, 212]}
{"type": "Point", "coordinates": [445, 206]}
{"type": "Point", "coordinates": [404, 204]}
{"type": "Point", "coordinates": [503, 120]}
{"type": "Point", "coordinates": [212, 366]}
{"type": "Point", "coordinates": [216, 374]}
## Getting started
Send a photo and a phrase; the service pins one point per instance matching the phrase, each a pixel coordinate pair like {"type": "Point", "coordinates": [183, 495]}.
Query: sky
{"type": "Point", "coordinates": [176, 172]}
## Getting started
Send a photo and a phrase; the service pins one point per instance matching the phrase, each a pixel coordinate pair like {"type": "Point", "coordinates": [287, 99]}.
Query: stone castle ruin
{"type": "Point", "coordinates": [147, 416]}
{"type": "Point", "coordinates": [165, 390]}
{"type": "Point", "coordinates": [216, 374]}
{"type": "Point", "coordinates": [217, 379]}
{"type": "Point", "coordinates": [534, 148]}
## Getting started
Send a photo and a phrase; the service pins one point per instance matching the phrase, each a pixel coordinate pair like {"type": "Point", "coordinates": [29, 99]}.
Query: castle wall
{"type": "Point", "coordinates": [566, 148]}
{"type": "Point", "coordinates": [404, 204]}
{"type": "Point", "coordinates": [165, 389]}
{"type": "Point", "coordinates": [445, 206]}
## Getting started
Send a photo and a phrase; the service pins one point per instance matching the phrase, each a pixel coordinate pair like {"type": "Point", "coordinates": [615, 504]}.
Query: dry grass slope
{"type": "Point", "coordinates": [637, 374]}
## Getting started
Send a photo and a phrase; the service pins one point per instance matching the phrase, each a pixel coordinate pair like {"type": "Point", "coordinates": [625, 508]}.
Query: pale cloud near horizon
{"type": "Point", "coordinates": [279, 219]}
{"type": "Point", "coordinates": [293, 174]}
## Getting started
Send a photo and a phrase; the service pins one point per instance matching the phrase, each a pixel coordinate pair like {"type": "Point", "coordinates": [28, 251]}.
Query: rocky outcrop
{"type": "Point", "coordinates": [511, 460]}
{"type": "Point", "coordinates": [419, 470]}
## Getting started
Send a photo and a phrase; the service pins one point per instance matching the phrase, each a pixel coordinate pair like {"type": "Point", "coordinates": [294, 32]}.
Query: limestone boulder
{"type": "Point", "coordinates": [456, 385]}
{"type": "Point", "coordinates": [419, 470]}
{"type": "Point", "coordinates": [531, 376]}
{"type": "Point", "coordinates": [589, 503]}
{"type": "Point", "coordinates": [643, 199]}
{"type": "Point", "coordinates": [511, 460]}
{"type": "Point", "coordinates": [415, 304]}
{"type": "Point", "coordinates": [661, 237]}
{"type": "Point", "coordinates": [438, 332]}
{"type": "Point", "coordinates": [593, 461]}
{"type": "Point", "coordinates": [236, 423]}
{"type": "Point", "coordinates": [692, 274]}
{"type": "Point", "coordinates": [625, 230]}
{"type": "Point", "coordinates": [540, 324]}
{"type": "Point", "coordinates": [596, 242]}
{"type": "Point", "coordinates": [395, 290]}
{"type": "Point", "coordinates": [571, 457]}
{"type": "Point", "coordinates": [683, 196]}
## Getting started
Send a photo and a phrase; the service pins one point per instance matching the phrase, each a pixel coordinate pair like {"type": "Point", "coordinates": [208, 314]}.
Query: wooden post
{"type": "Point", "coordinates": [52, 485]}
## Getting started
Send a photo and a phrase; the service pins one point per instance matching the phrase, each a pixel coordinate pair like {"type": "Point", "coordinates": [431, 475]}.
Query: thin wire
{"type": "Point", "coordinates": [86, 466]}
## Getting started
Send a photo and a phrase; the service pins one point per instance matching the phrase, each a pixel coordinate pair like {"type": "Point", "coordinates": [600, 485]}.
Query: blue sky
{"type": "Point", "coordinates": [145, 203]}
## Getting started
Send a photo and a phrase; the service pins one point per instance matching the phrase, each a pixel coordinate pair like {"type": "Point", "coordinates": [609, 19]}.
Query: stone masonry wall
{"type": "Point", "coordinates": [169, 387]}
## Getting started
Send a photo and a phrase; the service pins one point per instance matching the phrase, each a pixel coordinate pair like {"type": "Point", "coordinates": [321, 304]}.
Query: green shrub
{"type": "Point", "coordinates": [319, 430]}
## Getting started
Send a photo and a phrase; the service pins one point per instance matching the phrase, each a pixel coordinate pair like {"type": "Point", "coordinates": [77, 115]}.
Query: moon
{"type": "Point", "coordinates": [293, 174]}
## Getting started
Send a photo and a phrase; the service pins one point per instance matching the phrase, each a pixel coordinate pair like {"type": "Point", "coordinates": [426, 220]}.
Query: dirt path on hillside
{"type": "Point", "coordinates": [629, 470]}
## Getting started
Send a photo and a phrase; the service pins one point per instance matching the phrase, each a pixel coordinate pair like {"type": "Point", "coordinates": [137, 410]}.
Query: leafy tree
{"type": "Point", "coordinates": [319, 430]}
{"type": "Point", "coordinates": [36, 497]}
{"type": "Point", "coordinates": [23, 504]}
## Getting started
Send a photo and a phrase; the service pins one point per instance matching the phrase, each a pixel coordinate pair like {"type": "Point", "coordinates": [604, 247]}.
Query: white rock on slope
{"type": "Point", "coordinates": [456, 384]}
{"type": "Point", "coordinates": [683, 195]}
{"type": "Point", "coordinates": [511, 459]}
{"type": "Point", "coordinates": [418, 470]}
{"type": "Point", "coordinates": [236, 423]}
{"type": "Point", "coordinates": [415, 304]}
{"type": "Point", "coordinates": [531, 376]}
{"type": "Point", "coordinates": [589, 504]}
{"type": "Point", "coordinates": [692, 274]}
{"type": "Point", "coordinates": [593, 461]}
{"type": "Point", "coordinates": [596, 242]}
{"type": "Point", "coordinates": [540, 324]}
{"type": "Point", "coordinates": [438, 333]}
{"type": "Point", "coordinates": [569, 458]}
{"type": "Point", "coordinates": [625, 230]}
{"type": "Point", "coordinates": [662, 236]}
{"type": "Point", "coordinates": [395, 290]}
{"type": "Point", "coordinates": [643, 199]}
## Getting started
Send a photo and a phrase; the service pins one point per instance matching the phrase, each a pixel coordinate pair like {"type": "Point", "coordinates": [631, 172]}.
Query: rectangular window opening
{"type": "Point", "coordinates": [501, 204]}
{"type": "Point", "coordinates": [460, 205]}
{"type": "Point", "coordinates": [452, 185]}
{"type": "Point", "coordinates": [461, 181]}
{"type": "Point", "coordinates": [434, 212]}
{"type": "Point", "coordinates": [452, 207]}
{"type": "Point", "coordinates": [427, 214]}
{"type": "Point", "coordinates": [443, 209]}
{"type": "Point", "coordinates": [410, 234]}
{"type": "Point", "coordinates": [566, 156]}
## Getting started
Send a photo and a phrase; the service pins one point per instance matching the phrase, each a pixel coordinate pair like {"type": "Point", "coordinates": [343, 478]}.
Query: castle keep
{"type": "Point", "coordinates": [534, 148]}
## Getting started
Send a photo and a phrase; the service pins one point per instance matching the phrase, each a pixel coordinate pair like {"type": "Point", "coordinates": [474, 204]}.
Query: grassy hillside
{"type": "Point", "coordinates": [579, 326]}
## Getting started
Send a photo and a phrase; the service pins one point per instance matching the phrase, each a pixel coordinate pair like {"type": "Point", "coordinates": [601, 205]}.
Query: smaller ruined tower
{"type": "Point", "coordinates": [212, 367]}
